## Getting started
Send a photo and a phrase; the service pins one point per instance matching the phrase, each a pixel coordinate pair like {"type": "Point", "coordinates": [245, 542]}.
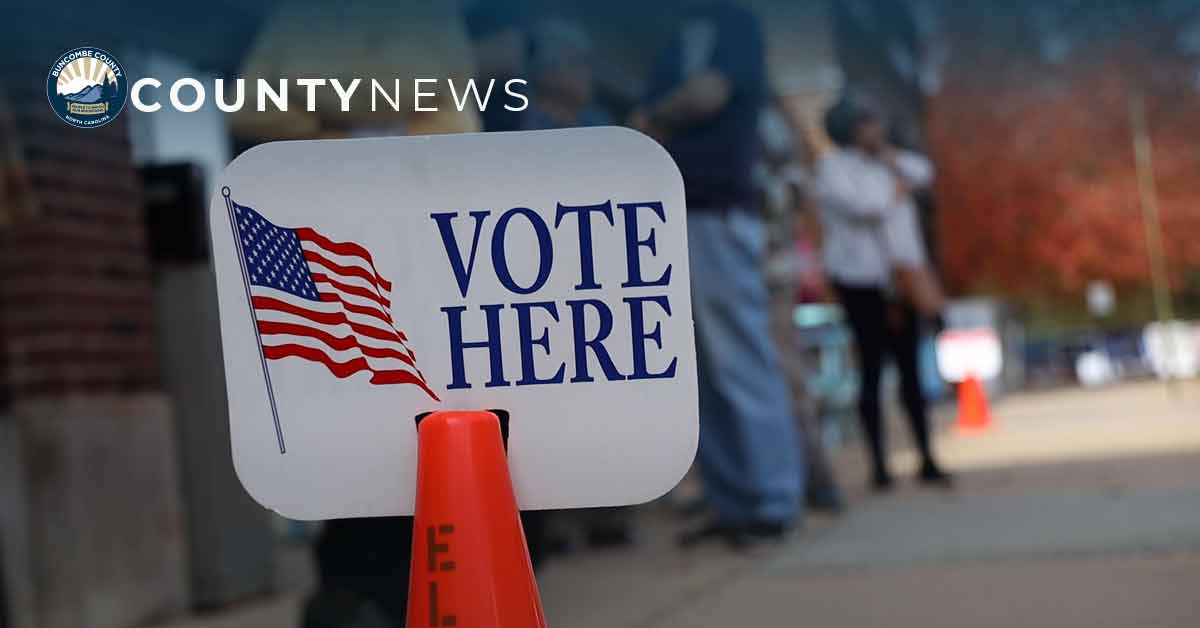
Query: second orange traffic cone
{"type": "Point", "coordinates": [973, 412]}
{"type": "Point", "coordinates": [470, 563]}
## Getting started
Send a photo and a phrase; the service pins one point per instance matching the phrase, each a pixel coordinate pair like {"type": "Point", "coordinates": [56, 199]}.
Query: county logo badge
{"type": "Point", "coordinates": [86, 87]}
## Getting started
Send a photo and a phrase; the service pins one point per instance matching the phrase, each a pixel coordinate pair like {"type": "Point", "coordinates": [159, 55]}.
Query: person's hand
{"type": "Point", "coordinates": [903, 191]}
{"type": "Point", "coordinates": [888, 155]}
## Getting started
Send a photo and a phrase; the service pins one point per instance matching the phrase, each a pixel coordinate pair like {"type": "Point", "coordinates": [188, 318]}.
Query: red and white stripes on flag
{"type": "Point", "coordinates": [324, 301]}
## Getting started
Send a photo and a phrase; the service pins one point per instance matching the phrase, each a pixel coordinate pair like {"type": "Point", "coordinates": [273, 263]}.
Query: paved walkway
{"type": "Point", "coordinates": [1079, 508]}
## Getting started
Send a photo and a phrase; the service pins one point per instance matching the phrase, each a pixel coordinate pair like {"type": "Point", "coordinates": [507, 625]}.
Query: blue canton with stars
{"type": "Point", "coordinates": [273, 255]}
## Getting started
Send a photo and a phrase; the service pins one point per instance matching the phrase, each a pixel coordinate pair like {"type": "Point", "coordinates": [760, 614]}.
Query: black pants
{"type": "Point", "coordinates": [882, 327]}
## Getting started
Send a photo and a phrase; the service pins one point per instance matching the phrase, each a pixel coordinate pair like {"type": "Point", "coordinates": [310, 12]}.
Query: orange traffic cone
{"type": "Point", "coordinates": [470, 564]}
{"type": "Point", "coordinates": [973, 412]}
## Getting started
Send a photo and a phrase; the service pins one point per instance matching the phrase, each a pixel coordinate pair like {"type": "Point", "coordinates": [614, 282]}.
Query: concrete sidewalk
{"type": "Point", "coordinates": [1080, 508]}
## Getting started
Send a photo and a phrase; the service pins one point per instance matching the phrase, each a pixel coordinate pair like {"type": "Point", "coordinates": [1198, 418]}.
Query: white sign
{"type": "Point", "coordinates": [363, 282]}
{"type": "Point", "coordinates": [963, 353]}
{"type": "Point", "coordinates": [1101, 298]}
{"type": "Point", "coordinates": [1172, 348]}
{"type": "Point", "coordinates": [1094, 368]}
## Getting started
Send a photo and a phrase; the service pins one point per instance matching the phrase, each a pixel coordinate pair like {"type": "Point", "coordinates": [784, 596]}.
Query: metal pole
{"type": "Point", "coordinates": [1152, 222]}
{"type": "Point", "coordinates": [237, 243]}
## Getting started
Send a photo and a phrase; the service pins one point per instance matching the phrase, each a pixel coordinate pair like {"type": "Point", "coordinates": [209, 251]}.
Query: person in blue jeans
{"type": "Point", "coordinates": [703, 102]}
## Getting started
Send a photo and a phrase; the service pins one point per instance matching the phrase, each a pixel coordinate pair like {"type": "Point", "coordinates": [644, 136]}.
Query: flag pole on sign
{"type": "Point", "coordinates": [225, 191]}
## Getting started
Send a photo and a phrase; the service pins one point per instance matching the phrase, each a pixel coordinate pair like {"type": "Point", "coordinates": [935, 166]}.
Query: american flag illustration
{"type": "Point", "coordinates": [320, 300]}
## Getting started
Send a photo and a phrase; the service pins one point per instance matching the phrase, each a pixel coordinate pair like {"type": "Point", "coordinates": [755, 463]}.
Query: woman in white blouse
{"type": "Point", "coordinates": [872, 249]}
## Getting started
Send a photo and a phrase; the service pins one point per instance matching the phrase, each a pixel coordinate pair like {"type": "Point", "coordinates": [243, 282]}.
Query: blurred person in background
{"type": "Point", "coordinates": [354, 40]}
{"type": "Point", "coordinates": [876, 260]}
{"type": "Point", "coordinates": [362, 563]}
{"type": "Point", "coordinates": [560, 72]}
{"type": "Point", "coordinates": [499, 32]}
{"type": "Point", "coordinates": [783, 175]}
{"type": "Point", "coordinates": [500, 41]}
{"type": "Point", "coordinates": [705, 94]}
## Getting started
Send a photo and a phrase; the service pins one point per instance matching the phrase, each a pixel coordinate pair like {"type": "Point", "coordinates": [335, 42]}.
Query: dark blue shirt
{"type": "Point", "coordinates": [717, 155]}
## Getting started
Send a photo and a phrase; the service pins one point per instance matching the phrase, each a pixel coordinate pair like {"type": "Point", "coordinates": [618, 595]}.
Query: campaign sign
{"type": "Point", "coordinates": [364, 282]}
{"type": "Point", "coordinates": [963, 353]}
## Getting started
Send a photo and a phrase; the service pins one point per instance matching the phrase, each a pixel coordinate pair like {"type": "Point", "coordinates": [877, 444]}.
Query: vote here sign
{"type": "Point", "coordinates": [364, 282]}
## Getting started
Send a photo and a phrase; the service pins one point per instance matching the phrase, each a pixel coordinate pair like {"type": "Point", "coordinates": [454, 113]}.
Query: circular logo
{"type": "Point", "coordinates": [87, 87]}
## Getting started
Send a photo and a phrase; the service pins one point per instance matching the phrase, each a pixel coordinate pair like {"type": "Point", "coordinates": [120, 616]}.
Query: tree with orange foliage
{"type": "Point", "coordinates": [1037, 191]}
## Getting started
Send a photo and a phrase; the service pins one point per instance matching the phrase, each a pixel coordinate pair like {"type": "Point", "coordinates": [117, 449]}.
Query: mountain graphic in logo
{"type": "Point", "coordinates": [86, 87]}
{"type": "Point", "coordinates": [92, 93]}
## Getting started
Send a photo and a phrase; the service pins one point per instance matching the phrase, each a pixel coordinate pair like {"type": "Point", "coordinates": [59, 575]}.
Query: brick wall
{"type": "Point", "coordinates": [75, 294]}
{"type": "Point", "coordinates": [97, 516]}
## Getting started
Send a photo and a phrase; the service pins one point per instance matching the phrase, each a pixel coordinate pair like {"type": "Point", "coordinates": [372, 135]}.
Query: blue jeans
{"type": "Point", "coordinates": [750, 454]}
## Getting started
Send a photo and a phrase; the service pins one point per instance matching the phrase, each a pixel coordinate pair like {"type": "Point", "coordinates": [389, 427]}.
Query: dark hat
{"type": "Point", "coordinates": [844, 117]}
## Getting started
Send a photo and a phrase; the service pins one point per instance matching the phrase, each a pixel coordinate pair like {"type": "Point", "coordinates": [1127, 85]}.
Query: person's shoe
{"type": "Point", "coordinates": [828, 501]}
{"type": "Point", "coordinates": [932, 475]}
{"type": "Point", "coordinates": [882, 483]}
{"type": "Point", "coordinates": [692, 508]}
{"type": "Point", "coordinates": [710, 531]}
{"type": "Point", "coordinates": [767, 530]}
{"type": "Point", "coordinates": [609, 535]}
{"type": "Point", "coordinates": [736, 536]}
{"type": "Point", "coordinates": [558, 545]}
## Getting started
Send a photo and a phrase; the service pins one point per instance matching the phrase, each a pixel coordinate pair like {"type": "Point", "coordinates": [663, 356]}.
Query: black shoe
{"type": "Point", "coordinates": [713, 531]}
{"type": "Point", "coordinates": [932, 475]}
{"type": "Point", "coordinates": [882, 483]}
{"type": "Point", "coordinates": [692, 508]}
{"type": "Point", "coordinates": [609, 536]}
{"type": "Point", "coordinates": [736, 536]}
{"type": "Point", "coordinates": [828, 501]}
{"type": "Point", "coordinates": [767, 530]}
{"type": "Point", "coordinates": [558, 545]}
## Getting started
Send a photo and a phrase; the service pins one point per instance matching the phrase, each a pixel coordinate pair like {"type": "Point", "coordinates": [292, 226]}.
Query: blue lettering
{"type": "Point", "coordinates": [596, 343]}
{"type": "Point", "coordinates": [462, 272]}
{"type": "Point", "coordinates": [527, 342]}
{"type": "Point", "coordinates": [632, 244]}
{"type": "Point", "coordinates": [637, 324]}
{"type": "Point", "coordinates": [587, 272]}
{"type": "Point", "coordinates": [545, 250]}
{"type": "Point", "coordinates": [458, 346]}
